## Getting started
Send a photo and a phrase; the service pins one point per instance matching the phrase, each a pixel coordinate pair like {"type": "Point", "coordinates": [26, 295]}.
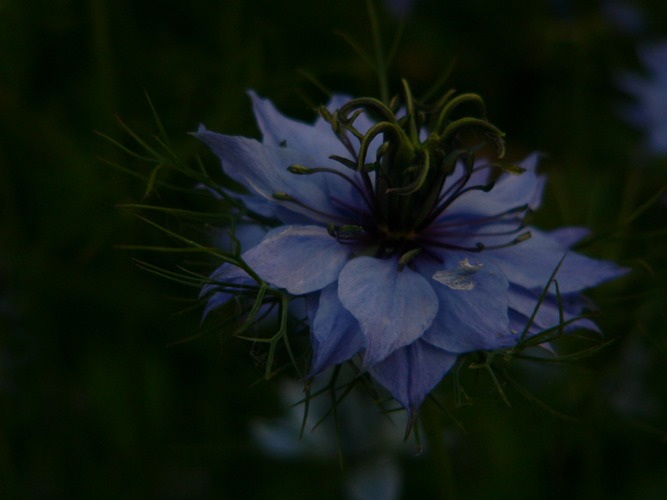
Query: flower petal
{"type": "Point", "coordinates": [262, 169]}
{"type": "Point", "coordinates": [300, 259]}
{"type": "Point", "coordinates": [228, 274]}
{"type": "Point", "coordinates": [473, 307]}
{"type": "Point", "coordinates": [393, 307]}
{"type": "Point", "coordinates": [317, 141]}
{"type": "Point", "coordinates": [531, 262]}
{"type": "Point", "coordinates": [335, 334]}
{"type": "Point", "coordinates": [411, 372]}
{"type": "Point", "coordinates": [510, 191]}
{"type": "Point", "coordinates": [570, 235]}
{"type": "Point", "coordinates": [548, 314]}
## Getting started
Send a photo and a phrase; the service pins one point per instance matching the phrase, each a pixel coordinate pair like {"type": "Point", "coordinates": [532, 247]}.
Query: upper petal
{"type": "Point", "coordinates": [510, 191]}
{"type": "Point", "coordinates": [262, 169]}
{"type": "Point", "coordinates": [300, 259]}
{"type": "Point", "coordinates": [411, 372]}
{"type": "Point", "coordinates": [318, 141]}
{"type": "Point", "coordinates": [394, 307]}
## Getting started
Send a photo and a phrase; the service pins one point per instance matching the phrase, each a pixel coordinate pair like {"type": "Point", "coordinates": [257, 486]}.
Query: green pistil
{"type": "Point", "coordinates": [409, 190]}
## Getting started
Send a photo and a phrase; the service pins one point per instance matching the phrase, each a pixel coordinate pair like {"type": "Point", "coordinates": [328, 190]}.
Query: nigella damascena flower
{"type": "Point", "coordinates": [649, 113]}
{"type": "Point", "coordinates": [408, 251]}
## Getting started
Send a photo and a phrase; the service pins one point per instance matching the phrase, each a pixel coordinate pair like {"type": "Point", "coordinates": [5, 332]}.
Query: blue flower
{"type": "Point", "coordinates": [649, 113]}
{"type": "Point", "coordinates": [408, 251]}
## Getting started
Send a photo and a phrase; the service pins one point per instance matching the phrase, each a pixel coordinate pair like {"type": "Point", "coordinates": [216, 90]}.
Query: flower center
{"type": "Point", "coordinates": [404, 169]}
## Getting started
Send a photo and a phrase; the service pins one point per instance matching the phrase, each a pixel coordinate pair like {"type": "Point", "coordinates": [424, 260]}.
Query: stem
{"type": "Point", "coordinates": [437, 450]}
{"type": "Point", "coordinates": [102, 50]}
{"type": "Point", "coordinates": [380, 67]}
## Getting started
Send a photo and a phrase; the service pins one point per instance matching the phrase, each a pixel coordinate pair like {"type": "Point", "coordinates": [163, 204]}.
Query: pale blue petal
{"type": "Point", "coordinates": [393, 307]}
{"type": "Point", "coordinates": [473, 306]}
{"type": "Point", "coordinates": [510, 191]}
{"type": "Point", "coordinates": [518, 324]}
{"type": "Point", "coordinates": [570, 235]}
{"type": "Point", "coordinates": [261, 206]}
{"type": "Point", "coordinates": [319, 142]}
{"type": "Point", "coordinates": [276, 127]}
{"type": "Point", "coordinates": [549, 312]}
{"type": "Point", "coordinates": [530, 263]}
{"type": "Point", "coordinates": [262, 169]}
{"type": "Point", "coordinates": [519, 321]}
{"type": "Point", "coordinates": [411, 372]}
{"type": "Point", "coordinates": [300, 259]}
{"type": "Point", "coordinates": [246, 235]}
{"type": "Point", "coordinates": [335, 334]}
{"type": "Point", "coordinates": [229, 275]}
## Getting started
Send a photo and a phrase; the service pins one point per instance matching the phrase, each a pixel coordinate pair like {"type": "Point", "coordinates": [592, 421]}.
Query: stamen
{"type": "Point", "coordinates": [519, 239]}
{"type": "Point", "coordinates": [483, 220]}
{"type": "Point", "coordinates": [289, 198]}
{"type": "Point", "coordinates": [303, 170]}
{"type": "Point", "coordinates": [479, 246]}
{"type": "Point", "coordinates": [487, 233]}
{"type": "Point", "coordinates": [445, 204]}
{"type": "Point", "coordinates": [462, 181]}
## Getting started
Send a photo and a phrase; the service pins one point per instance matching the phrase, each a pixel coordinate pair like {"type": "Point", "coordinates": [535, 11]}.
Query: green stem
{"type": "Point", "coordinates": [102, 50]}
{"type": "Point", "coordinates": [380, 66]}
{"type": "Point", "coordinates": [437, 450]}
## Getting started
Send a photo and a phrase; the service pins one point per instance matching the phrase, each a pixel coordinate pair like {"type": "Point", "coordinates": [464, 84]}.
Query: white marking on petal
{"type": "Point", "coordinates": [461, 277]}
{"type": "Point", "coordinates": [470, 267]}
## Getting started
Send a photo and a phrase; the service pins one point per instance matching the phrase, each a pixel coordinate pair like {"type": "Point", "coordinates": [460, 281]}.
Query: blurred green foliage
{"type": "Point", "coordinates": [96, 398]}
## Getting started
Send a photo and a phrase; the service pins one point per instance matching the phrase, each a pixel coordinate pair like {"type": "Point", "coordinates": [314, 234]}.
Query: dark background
{"type": "Point", "coordinates": [96, 398]}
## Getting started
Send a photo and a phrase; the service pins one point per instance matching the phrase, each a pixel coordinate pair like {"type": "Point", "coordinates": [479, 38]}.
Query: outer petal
{"type": "Point", "coordinates": [473, 307]}
{"type": "Point", "coordinates": [300, 259]}
{"type": "Point", "coordinates": [549, 313]}
{"type": "Point", "coordinates": [226, 273]}
{"type": "Point", "coordinates": [246, 235]}
{"type": "Point", "coordinates": [262, 169]}
{"type": "Point", "coordinates": [510, 191]}
{"type": "Point", "coordinates": [393, 307]}
{"type": "Point", "coordinates": [335, 334]}
{"type": "Point", "coordinates": [411, 372]}
{"type": "Point", "coordinates": [318, 141]}
{"type": "Point", "coordinates": [570, 235]}
{"type": "Point", "coordinates": [531, 262]}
